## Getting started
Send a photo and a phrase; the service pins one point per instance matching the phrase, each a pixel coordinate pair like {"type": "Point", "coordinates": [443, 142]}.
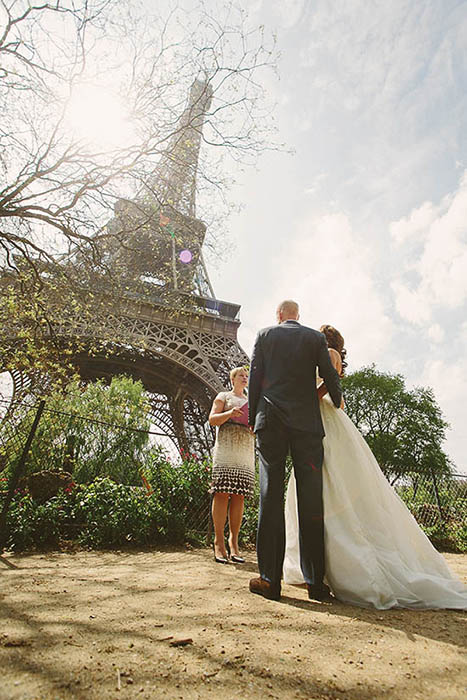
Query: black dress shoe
{"type": "Point", "coordinates": [264, 588]}
{"type": "Point", "coordinates": [319, 591]}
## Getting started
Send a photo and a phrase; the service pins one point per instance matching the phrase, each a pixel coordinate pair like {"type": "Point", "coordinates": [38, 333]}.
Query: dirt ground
{"type": "Point", "coordinates": [102, 624]}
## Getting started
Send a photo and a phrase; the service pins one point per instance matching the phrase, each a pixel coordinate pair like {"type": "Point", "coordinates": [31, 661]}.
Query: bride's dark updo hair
{"type": "Point", "coordinates": [335, 341]}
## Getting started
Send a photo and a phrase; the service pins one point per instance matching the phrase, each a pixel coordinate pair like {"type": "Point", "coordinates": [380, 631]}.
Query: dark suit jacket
{"type": "Point", "coordinates": [283, 377]}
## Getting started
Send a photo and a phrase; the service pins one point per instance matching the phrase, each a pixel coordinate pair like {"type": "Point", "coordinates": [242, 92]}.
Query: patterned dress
{"type": "Point", "coordinates": [233, 456]}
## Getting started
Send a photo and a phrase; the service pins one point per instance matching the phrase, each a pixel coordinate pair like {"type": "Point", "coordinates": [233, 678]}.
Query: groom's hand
{"type": "Point", "coordinates": [322, 390]}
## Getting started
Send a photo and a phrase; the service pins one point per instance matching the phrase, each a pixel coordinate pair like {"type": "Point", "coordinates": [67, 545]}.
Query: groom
{"type": "Point", "coordinates": [284, 413]}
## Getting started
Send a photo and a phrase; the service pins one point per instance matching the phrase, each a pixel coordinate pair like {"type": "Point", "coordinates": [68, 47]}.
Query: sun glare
{"type": "Point", "coordinates": [99, 117]}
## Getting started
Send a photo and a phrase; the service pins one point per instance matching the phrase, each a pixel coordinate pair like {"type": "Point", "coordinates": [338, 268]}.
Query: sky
{"type": "Point", "coordinates": [365, 224]}
{"type": "Point", "coordinates": [362, 217]}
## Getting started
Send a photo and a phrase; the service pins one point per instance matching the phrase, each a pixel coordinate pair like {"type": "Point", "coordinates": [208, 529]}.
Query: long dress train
{"type": "Point", "coordinates": [376, 554]}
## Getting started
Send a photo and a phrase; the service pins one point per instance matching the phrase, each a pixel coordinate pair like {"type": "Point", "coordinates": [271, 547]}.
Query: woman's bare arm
{"type": "Point", "coordinates": [336, 362]}
{"type": "Point", "coordinates": [218, 416]}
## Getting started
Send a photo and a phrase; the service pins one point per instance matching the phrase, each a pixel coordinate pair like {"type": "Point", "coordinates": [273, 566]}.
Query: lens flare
{"type": "Point", "coordinates": [186, 256]}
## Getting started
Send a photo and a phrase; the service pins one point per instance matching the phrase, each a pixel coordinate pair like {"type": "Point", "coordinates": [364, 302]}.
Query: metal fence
{"type": "Point", "coordinates": [35, 438]}
{"type": "Point", "coordinates": [38, 443]}
{"type": "Point", "coordinates": [434, 499]}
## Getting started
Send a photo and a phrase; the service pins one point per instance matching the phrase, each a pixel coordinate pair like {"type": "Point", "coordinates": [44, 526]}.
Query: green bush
{"type": "Point", "coordinates": [106, 514]}
{"type": "Point", "coordinates": [31, 524]}
{"type": "Point", "coordinates": [250, 519]}
{"type": "Point", "coordinates": [187, 482]}
{"type": "Point", "coordinates": [112, 514]}
{"type": "Point", "coordinates": [101, 514]}
{"type": "Point", "coordinates": [450, 536]}
{"type": "Point", "coordinates": [182, 488]}
{"type": "Point", "coordinates": [92, 431]}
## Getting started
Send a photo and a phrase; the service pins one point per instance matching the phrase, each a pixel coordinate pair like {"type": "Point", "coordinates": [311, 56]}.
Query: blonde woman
{"type": "Point", "coordinates": [233, 468]}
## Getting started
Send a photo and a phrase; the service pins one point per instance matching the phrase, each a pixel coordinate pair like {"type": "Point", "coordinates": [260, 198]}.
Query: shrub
{"type": "Point", "coordinates": [450, 536]}
{"type": "Point", "coordinates": [111, 514]}
{"type": "Point", "coordinates": [92, 431]}
{"type": "Point", "coordinates": [182, 488]}
{"type": "Point", "coordinates": [250, 519]}
{"type": "Point", "coordinates": [31, 524]}
{"type": "Point", "coordinates": [106, 514]}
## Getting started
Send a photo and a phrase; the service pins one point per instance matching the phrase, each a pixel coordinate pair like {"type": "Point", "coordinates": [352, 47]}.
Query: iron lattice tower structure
{"type": "Point", "coordinates": [166, 327]}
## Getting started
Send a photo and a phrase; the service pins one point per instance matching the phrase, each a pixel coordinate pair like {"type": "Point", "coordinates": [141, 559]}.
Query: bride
{"type": "Point", "coordinates": [376, 554]}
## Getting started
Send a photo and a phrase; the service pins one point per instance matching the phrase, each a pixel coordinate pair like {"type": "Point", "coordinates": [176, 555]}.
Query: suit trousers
{"type": "Point", "coordinates": [275, 441]}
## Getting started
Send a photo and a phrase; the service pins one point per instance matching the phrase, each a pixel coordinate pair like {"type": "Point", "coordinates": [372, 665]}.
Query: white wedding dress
{"type": "Point", "coordinates": [376, 554]}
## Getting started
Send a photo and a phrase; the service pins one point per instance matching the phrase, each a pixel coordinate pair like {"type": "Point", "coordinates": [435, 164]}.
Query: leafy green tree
{"type": "Point", "coordinates": [404, 428]}
{"type": "Point", "coordinates": [91, 431]}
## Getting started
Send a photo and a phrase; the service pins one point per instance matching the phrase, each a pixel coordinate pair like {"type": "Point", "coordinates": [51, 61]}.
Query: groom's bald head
{"type": "Point", "coordinates": [287, 311]}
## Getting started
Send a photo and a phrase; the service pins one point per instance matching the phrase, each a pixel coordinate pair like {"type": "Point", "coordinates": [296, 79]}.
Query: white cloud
{"type": "Point", "coordinates": [315, 186]}
{"type": "Point", "coordinates": [409, 304]}
{"type": "Point", "coordinates": [378, 57]}
{"type": "Point", "coordinates": [329, 271]}
{"type": "Point", "coordinates": [447, 379]}
{"type": "Point", "coordinates": [415, 224]}
{"type": "Point", "coordinates": [441, 264]}
{"type": "Point", "coordinates": [377, 101]}
{"type": "Point", "coordinates": [463, 335]}
{"type": "Point", "coordinates": [289, 11]}
{"type": "Point", "coordinates": [436, 333]}
{"type": "Point", "coordinates": [446, 372]}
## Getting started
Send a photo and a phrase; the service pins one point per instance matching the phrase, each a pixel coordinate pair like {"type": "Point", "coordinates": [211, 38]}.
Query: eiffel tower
{"type": "Point", "coordinates": [167, 327]}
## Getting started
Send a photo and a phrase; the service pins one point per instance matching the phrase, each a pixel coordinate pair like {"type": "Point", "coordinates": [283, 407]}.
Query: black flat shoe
{"type": "Point", "coordinates": [221, 560]}
{"type": "Point", "coordinates": [236, 558]}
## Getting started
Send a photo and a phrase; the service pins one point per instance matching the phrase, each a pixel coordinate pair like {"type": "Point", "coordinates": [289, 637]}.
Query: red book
{"type": "Point", "coordinates": [243, 419]}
